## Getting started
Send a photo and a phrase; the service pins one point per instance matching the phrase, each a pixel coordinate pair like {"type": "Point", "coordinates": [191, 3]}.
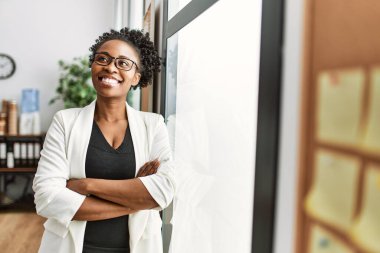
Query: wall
{"type": "Point", "coordinates": [39, 33]}
{"type": "Point", "coordinates": [289, 127]}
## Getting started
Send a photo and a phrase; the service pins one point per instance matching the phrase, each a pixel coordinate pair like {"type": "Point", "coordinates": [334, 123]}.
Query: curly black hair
{"type": "Point", "coordinates": [150, 61]}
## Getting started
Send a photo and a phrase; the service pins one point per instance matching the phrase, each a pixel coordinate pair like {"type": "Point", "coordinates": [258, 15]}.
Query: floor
{"type": "Point", "coordinates": [20, 232]}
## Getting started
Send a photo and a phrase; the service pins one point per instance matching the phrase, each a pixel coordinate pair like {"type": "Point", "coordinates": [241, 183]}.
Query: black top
{"type": "Point", "coordinates": [104, 161]}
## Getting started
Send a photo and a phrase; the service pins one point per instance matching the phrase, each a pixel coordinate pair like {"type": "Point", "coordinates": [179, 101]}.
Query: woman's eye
{"type": "Point", "coordinates": [102, 58]}
{"type": "Point", "coordinates": [124, 63]}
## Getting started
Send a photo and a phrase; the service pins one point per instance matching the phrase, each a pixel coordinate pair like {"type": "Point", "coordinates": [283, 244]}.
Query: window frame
{"type": "Point", "coordinates": [267, 144]}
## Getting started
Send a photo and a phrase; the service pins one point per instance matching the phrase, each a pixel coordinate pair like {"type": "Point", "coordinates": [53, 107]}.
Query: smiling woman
{"type": "Point", "coordinates": [106, 169]}
{"type": "Point", "coordinates": [115, 80]}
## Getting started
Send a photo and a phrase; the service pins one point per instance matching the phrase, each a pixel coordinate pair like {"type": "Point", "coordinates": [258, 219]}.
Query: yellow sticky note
{"type": "Point", "coordinates": [332, 196]}
{"type": "Point", "coordinates": [339, 105]}
{"type": "Point", "coordinates": [365, 231]}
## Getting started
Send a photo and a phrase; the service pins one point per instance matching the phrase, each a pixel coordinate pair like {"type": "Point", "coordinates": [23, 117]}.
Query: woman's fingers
{"type": "Point", "coordinates": [152, 167]}
{"type": "Point", "coordinates": [143, 169]}
{"type": "Point", "coordinates": [148, 168]}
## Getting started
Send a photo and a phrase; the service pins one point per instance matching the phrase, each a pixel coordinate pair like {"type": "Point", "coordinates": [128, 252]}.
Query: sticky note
{"type": "Point", "coordinates": [339, 105]}
{"type": "Point", "coordinates": [332, 196]}
{"type": "Point", "coordinates": [366, 229]}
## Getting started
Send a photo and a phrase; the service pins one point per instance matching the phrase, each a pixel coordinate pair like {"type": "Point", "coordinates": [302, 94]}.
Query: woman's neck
{"type": "Point", "coordinates": [110, 110]}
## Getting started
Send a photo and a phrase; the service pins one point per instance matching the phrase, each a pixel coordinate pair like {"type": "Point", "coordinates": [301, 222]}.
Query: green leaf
{"type": "Point", "coordinates": [75, 84]}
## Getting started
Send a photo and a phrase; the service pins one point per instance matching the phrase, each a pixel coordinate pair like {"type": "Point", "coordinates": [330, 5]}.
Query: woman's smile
{"type": "Point", "coordinates": [109, 81]}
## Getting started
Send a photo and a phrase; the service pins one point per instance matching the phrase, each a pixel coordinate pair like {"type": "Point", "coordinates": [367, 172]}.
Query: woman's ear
{"type": "Point", "coordinates": [136, 79]}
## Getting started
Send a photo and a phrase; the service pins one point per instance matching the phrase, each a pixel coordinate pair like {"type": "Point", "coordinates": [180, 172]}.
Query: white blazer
{"type": "Point", "coordinates": [63, 157]}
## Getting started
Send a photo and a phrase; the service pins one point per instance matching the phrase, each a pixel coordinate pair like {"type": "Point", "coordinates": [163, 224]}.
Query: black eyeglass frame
{"type": "Point", "coordinates": [114, 60]}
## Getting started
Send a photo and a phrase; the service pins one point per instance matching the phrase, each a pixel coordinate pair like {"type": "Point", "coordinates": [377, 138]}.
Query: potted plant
{"type": "Point", "coordinates": [75, 86]}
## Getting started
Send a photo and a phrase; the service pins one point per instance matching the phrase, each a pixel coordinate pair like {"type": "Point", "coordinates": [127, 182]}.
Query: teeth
{"type": "Point", "coordinates": [110, 81]}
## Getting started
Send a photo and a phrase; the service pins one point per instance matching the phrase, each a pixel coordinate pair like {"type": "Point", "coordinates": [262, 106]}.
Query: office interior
{"type": "Point", "coordinates": [272, 109]}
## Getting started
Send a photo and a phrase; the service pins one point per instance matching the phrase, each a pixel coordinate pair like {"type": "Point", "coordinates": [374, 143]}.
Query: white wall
{"type": "Point", "coordinates": [39, 33]}
{"type": "Point", "coordinates": [289, 128]}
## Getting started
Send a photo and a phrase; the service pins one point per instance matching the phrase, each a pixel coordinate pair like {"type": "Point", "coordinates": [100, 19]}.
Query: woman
{"type": "Point", "coordinates": [106, 169]}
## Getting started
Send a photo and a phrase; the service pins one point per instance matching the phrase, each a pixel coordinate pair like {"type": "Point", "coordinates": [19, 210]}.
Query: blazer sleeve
{"type": "Point", "coordinates": [52, 198]}
{"type": "Point", "coordinates": [161, 185]}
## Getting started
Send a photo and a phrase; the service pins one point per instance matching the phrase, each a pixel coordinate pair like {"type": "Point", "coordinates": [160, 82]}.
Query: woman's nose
{"type": "Point", "coordinates": [111, 67]}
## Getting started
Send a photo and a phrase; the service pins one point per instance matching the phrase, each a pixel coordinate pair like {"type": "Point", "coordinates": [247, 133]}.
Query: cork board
{"type": "Point", "coordinates": [338, 35]}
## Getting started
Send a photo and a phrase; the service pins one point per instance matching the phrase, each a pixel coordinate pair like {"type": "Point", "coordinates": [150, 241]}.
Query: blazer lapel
{"type": "Point", "coordinates": [137, 221]}
{"type": "Point", "coordinates": [79, 139]}
{"type": "Point", "coordinates": [136, 126]}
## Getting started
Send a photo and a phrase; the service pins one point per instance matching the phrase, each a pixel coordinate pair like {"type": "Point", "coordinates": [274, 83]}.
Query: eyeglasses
{"type": "Point", "coordinates": [120, 63]}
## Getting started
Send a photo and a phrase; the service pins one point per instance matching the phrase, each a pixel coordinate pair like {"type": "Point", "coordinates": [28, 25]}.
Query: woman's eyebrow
{"type": "Point", "coordinates": [126, 57]}
{"type": "Point", "coordinates": [104, 52]}
{"type": "Point", "coordinates": [120, 56]}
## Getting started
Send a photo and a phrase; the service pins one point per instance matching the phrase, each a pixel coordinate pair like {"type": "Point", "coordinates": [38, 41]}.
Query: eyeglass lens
{"type": "Point", "coordinates": [121, 63]}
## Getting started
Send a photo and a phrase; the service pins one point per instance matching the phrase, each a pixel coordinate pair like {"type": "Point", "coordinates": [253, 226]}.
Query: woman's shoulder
{"type": "Point", "coordinates": [151, 117]}
{"type": "Point", "coordinates": [68, 113]}
{"type": "Point", "coordinates": [66, 117]}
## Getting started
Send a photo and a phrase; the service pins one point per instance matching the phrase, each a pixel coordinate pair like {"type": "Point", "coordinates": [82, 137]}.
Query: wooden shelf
{"type": "Point", "coordinates": [18, 170]}
{"type": "Point", "coordinates": [23, 135]}
{"type": "Point", "coordinates": [22, 138]}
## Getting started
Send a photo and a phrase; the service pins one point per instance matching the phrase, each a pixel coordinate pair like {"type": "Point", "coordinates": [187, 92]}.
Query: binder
{"type": "Point", "coordinates": [30, 154]}
{"type": "Point", "coordinates": [37, 150]}
{"type": "Point", "coordinates": [23, 152]}
{"type": "Point", "coordinates": [17, 154]}
{"type": "Point", "coordinates": [3, 155]}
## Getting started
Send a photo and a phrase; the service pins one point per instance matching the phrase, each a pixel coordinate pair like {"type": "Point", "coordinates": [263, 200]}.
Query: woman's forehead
{"type": "Point", "coordinates": [118, 48]}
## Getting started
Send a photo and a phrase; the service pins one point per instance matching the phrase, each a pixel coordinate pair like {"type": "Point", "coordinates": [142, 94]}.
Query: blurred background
{"type": "Point", "coordinates": [272, 108]}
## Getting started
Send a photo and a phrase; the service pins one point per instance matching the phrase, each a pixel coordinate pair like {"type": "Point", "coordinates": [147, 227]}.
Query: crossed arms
{"type": "Point", "coordinates": [113, 198]}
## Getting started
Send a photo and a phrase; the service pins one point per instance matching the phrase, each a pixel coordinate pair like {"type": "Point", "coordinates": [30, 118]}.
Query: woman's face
{"type": "Point", "coordinates": [110, 81]}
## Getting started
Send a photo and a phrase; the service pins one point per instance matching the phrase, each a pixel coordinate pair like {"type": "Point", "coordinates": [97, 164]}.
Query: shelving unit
{"type": "Point", "coordinates": [26, 150]}
{"type": "Point", "coordinates": [25, 164]}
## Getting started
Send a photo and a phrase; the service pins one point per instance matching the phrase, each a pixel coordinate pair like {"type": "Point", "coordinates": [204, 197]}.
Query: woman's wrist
{"type": "Point", "coordinates": [88, 186]}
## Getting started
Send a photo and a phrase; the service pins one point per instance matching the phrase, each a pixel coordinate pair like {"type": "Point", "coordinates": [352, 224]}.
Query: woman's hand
{"type": "Point", "coordinates": [148, 168]}
{"type": "Point", "coordinates": [81, 185]}
{"type": "Point", "coordinates": [78, 185]}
